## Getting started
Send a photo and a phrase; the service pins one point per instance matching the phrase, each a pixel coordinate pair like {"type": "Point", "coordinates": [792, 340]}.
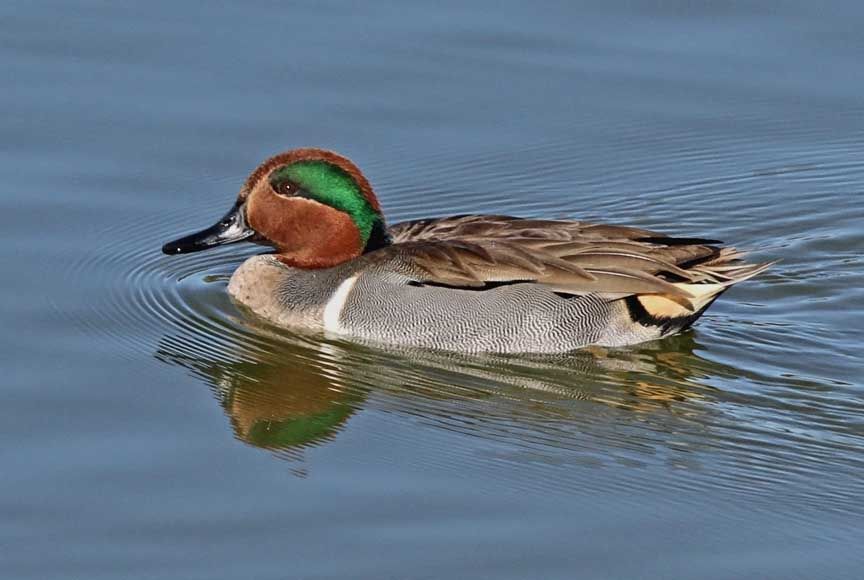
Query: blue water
{"type": "Point", "coordinates": [150, 431]}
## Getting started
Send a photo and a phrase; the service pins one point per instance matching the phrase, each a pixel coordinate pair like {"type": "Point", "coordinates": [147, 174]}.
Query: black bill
{"type": "Point", "coordinates": [231, 228]}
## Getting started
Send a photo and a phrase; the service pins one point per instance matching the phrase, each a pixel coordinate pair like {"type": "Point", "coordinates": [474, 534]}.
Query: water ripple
{"type": "Point", "coordinates": [724, 406]}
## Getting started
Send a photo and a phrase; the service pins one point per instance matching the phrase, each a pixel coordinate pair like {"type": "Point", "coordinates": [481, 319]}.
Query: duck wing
{"type": "Point", "coordinates": [569, 257]}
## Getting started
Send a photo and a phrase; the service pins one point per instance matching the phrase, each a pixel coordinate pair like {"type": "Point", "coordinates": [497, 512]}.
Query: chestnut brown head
{"type": "Point", "coordinates": [314, 206]}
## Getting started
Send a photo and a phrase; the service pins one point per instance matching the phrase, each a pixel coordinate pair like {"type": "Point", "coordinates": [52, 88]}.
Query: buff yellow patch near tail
{"type": "Point", "coordinates": [662, 307]}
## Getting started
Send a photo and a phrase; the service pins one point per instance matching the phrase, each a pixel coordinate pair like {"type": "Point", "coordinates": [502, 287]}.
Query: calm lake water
{"type": "Point", "coordinates": [150, 431]}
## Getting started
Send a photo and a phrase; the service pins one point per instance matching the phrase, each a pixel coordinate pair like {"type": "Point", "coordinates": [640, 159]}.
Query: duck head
{"type": "Point", "coordinates": [314, 206]}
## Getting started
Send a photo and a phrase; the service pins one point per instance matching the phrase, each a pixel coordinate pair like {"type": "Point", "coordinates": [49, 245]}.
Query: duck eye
{"type": "Point", "coordinates": [286, 188]}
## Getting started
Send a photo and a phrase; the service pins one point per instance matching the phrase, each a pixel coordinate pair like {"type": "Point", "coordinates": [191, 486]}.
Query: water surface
{"type": "Point", "coordinates": [150, 431]}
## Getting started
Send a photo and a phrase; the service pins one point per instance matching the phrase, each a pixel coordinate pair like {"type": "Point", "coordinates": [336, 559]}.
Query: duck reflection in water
{"type": "Point", "coordinates": [298, 393]}
{"type": "Point", "coordinates": [278, 405]}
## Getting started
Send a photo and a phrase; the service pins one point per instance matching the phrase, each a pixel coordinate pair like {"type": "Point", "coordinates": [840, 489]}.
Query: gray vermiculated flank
{"type": "Point", "coordinates": [383, 307]}
{"type": "Point", "coordinates": [514, 318]}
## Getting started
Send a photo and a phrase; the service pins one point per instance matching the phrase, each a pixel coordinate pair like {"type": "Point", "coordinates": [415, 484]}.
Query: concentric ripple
{"type": "Point", "coordinates": [725, 400]}
{"type": "Point", "coordinates": [140, 296]}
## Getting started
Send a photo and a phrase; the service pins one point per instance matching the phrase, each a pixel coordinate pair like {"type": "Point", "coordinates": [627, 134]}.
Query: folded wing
{"type": "Point", "coordinates": [568, 257]}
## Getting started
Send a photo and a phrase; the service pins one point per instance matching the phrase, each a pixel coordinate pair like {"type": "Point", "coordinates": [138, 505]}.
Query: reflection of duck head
{"type": "Point", "coordinates": [282, 410]}
{"type": "Point", "coordinates": [276, 403]}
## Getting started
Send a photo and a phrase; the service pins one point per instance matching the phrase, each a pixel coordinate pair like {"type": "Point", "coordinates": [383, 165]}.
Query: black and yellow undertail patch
{"type": "Point", "coordinates": [663, 314]}
{"type": "Point", "coordinates": [639, 314]}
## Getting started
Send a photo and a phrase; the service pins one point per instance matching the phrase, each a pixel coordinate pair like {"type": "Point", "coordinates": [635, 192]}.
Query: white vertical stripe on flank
{"type": "Point", "coordinates": [336, 303]}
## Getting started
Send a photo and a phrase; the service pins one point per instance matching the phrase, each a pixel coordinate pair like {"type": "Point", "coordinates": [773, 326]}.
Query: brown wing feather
{"type": "Point", "coordinates": [567, 256]}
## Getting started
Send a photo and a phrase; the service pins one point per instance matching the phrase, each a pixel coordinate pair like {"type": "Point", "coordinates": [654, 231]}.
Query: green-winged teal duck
{"type": "Point", "coordinates": [470, 283]}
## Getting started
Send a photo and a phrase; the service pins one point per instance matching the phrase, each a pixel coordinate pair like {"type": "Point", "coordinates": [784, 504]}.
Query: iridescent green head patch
{"type": "Point", "coordinates": [328, 184]}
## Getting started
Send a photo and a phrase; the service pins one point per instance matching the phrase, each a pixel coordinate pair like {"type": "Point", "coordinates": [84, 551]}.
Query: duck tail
{"type": "Point", "coordinates": [716, 276]}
